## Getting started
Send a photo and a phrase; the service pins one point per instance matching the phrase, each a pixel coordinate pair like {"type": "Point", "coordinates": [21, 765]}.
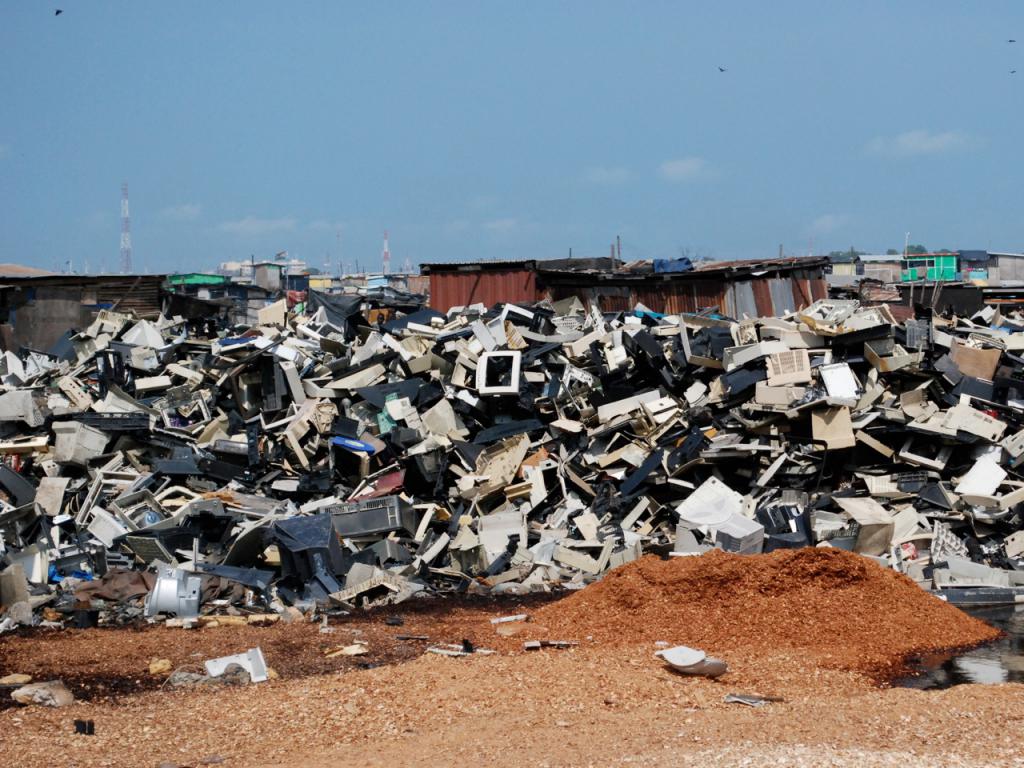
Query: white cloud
{"type": "Point", "coordinates": [326, 225]}
{"type": "Point", "coordinates": [827, 223]}
{"type": "Point", "coordinates": [682, 169]}
{"type": "Point", "coordinates": [502, 226]}
{"type": "Point", "coordinates": [919, 142]}
{"type": "Point", "coordinates": [183, 212]}
{"type": "Point", "coordinates": [606, 175]}
{"type": "Point", "coordinates": [252, 226]}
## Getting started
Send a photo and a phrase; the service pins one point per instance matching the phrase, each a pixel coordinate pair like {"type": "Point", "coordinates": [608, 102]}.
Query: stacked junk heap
{"type": "Point", "coordinates": [157, 469]}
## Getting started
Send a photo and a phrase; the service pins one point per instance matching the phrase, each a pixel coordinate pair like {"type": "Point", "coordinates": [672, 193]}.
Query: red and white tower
{"type": "Point", "coordinates": [385, 257]}
{"type": "Point", "coordinates": [126, 233]}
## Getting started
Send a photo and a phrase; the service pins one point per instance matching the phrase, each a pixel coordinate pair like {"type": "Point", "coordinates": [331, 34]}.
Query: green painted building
{"type": "Point", "coordinates": [930, 267]}
{"type": "Point", "coordinates": [197, 278]}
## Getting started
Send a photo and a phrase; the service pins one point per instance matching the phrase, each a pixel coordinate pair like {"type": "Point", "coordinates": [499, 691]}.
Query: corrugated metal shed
{"type": "Point", "coordinates": [455, 285]}
{"type": "Point", "coordinates": [139, 294]}
{"type": "Point", "coordinates": [753, 287]}
{"type": "Point", "coordinates": [749, 288]}
{"type": "Point", "coordinates": [36, 311]}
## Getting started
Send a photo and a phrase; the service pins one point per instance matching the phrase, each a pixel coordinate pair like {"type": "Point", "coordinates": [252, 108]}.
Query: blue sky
{"type": "Point", "coordinates": [505, 130]}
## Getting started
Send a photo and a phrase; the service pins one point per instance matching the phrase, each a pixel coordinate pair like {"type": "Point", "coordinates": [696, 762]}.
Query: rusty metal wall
{"type": "Point", "coordinates": [680, 296]}
{"type": "Point", "coordinates": [612, 300]}
{"type": "Point", "coordinates": [808, 289]}
{"type": "Point", "coordinates": [667, 297]}
{"type": "Point", "coordinates": [763, 297]}
{"type": "Point", "coordinates": [609, 298]}
{"type": "Point", "coordinates": [819, 289]}
{"type": "Point", "coordinates": [455, 289]}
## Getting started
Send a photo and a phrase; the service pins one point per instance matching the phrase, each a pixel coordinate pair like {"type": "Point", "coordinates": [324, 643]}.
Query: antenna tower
{"type": "Point", "coordinates": [341, 264]}
{"type": "Point", "coordinates": [126, 233]}
{"type": "Point", "coordinates": [385, 257]}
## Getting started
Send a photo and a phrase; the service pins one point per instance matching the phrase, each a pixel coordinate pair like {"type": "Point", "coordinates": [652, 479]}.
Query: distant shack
{"type": "Point", "coordinates": [751, 288]}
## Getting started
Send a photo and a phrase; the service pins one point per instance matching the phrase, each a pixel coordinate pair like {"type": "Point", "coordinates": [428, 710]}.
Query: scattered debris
{"type": "Point", "coordinates": [751, 700]}
{"type": "Point", "coordinates": [251, 662]}
{"type": "Point", "coordinates": [356, 649]}
{"type": "Point", "coordinates": [52, 693]}
{"type": "Point", "coordinates": [536, 645]}
{"type": "Point", "coordinates": [15, 679]}
{"type": "Point", "coordinates": [464, 649]}
{"type": "Point", "coordinates": [691, 661]}
{"type": "Point", "coordinates": [506, 619]}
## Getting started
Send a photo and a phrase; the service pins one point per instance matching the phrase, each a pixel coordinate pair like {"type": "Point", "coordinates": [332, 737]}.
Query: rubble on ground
{"type": "Point", "coordinates": [168, 468]}
{"type": "Point", "coordinates": [52, 693]}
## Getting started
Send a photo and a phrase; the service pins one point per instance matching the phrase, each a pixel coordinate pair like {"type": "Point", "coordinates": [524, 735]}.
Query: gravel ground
{"type": "Point", "coordinates": [581, 707]}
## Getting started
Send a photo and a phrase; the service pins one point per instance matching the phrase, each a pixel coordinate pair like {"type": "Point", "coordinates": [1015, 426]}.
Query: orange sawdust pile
{"type": "Point", "coordinates": [844, 610]}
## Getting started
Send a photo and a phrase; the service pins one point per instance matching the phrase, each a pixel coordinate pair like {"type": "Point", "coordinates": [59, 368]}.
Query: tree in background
{"type": "Point", "coordinates": [852, 253]}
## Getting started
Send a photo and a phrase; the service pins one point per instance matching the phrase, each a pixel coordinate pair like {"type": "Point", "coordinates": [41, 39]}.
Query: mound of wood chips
{"type": "Point", "coordinates": [840, 607]}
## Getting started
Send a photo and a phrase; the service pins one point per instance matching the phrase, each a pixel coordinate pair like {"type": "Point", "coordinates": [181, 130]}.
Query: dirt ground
{"type": "Point", "coordinates": [593, 705]}
{"type": "Point", "coordinates": [822, 632]}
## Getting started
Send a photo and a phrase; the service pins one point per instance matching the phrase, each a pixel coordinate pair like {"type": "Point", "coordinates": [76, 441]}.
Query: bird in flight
{"type": "Point", "coordinates": [721, 69]}
{"type": "Point", "coordinates": [1013, 71]}
{"type": "Point", "coordinates": [1011, 41]}
{"type": "Point", "coordinates": [58, 11]}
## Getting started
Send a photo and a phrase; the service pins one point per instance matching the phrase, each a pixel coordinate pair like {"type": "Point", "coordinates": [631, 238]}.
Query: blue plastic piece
{"type": "Point", "coordinates": [356, 446]}
{"type": "Point", "coordinates": [54, 575]}
{"type": "Point", "coordinates": [681, 264]}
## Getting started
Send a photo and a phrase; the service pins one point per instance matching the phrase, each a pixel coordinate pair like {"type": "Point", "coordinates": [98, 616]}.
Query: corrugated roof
{"type": "Point", "coordinates": [708, 266]}
{"type": "Point", "coordinates": [20, 270]}
{"type": "Point", "coordinates": [603, 265]}
{"type": "Point", "coordinates": [476, 264]}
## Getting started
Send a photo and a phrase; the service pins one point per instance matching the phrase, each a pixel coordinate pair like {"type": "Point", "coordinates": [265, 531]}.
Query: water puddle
{"type": "Point", "coordinates": [1001, 661]}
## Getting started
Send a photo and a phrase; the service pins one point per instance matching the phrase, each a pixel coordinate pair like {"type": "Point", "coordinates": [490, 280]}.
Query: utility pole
{"type": "Point", "coordinates": [906, 249]}
{"type": "Point", "coordinates": [618, 247]}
